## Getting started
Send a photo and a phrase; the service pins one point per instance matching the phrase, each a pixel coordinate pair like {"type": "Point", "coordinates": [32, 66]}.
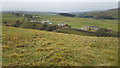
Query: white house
{"type": "Point", "coordinates": [23, 14]}
{"type": "Point", "coordinates": [46, 21]}
{"type": "Point", "coordinates": [61, 24]}
{"type": "Point", "coordinates": [33, 21]}
{"type": "Point", "coordinates": [90, 28]}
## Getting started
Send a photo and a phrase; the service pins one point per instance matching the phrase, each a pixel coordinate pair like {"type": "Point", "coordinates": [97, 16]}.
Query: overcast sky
{"type": "Point", "coordinates": [60, 0]}
{"type": "Point", "coordinates": [59, 5]}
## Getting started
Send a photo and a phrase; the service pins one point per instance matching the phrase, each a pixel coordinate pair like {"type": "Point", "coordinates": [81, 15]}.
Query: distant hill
{"type": "Point", "coordinates": [33, 12]}
{"type": "Point", "coordinates": [106, 14]}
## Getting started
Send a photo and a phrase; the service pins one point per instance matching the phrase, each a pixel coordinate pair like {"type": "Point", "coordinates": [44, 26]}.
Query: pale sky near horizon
{"type": "Point", "coordinates": [60, 0]}
{"type": "Point", "coordinates": [58, 5]}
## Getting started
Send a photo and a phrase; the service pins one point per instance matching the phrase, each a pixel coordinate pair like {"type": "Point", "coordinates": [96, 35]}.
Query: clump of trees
{"type": "Point", "coordinates": [51, 28]}
{"type": "Point", "coordinates": [67, 14]}
{"type": "Point", "coordinates": [102, 32]}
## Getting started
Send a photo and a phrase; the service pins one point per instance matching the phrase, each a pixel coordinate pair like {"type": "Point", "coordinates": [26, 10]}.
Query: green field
{"type": "Point", "coordinates": [74, 22]}
{"type": "Point", "coordinates": [41, 48]}
{"type": "Point", "coordinates": [81, 22]}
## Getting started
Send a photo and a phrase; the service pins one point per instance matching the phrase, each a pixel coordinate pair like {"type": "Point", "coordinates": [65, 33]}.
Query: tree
{"type": "Point", "coordinates": [5, 22]}
{"type": "Point", "coordinates": [67, 25]}
{"type": "Point", "coordinates": [17, 23]}
{"type": "Point", "coordinates": [67, 14]}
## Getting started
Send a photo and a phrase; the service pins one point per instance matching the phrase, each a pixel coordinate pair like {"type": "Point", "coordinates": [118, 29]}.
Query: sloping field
{"type": "Point", "coordinates": [74, 22]}
{"type": "Point", "coordinates": [41, 48]}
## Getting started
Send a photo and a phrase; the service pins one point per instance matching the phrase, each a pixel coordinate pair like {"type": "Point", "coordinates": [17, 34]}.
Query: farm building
{"type": "Point", "coordinates": [46, 21]}
{"type": "Point", "coordinates": [61, 24]}
{"type": "Point", "coordinates": [86, 28]}
{"type": "Point", "coordinates": [34, 17]}
{"type": "Point", "coordinates": [23, 14]}
{"type": "Point", "coordinates": [33, 21]}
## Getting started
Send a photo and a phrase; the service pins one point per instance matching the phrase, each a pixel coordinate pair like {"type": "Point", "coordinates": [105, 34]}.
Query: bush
{"type": "Point", "coordinates": [34, 25]}
{"type": "Point", "coordinates": [67, 25]}
{"type": "Point", "coordinates": [102, 32]}
{"type": "Point", "coordinates": [49, 28]}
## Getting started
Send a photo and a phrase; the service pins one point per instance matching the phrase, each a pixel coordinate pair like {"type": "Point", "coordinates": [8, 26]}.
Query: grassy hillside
{"type": "Point", "coordinates": [34, 47]}
{"type": "Point", "coordinates": [81, 22]}
{"type": "Point", "coordinates": [112, 13]}
{"type": "Point", "coordinates": [72, 21]}
{"type": "Point", "coordinates": [11, 19]}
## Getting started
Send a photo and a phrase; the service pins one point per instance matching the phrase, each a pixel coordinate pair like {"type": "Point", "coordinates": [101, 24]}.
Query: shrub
{"type": "Point", "coordinates": [67, 25]}
{"type": "Point", "coordinates": [50, 28]}
{"type": "Point", "coordinates": [102, 32]}
{"type": "Point", "coordinates": [43, 27]}
{"type": "Point", "coordinates": [34, 25]}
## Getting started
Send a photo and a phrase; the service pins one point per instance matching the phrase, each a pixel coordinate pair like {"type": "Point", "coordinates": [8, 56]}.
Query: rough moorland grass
{"type": "Point", "coordinates": [34, 47]}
